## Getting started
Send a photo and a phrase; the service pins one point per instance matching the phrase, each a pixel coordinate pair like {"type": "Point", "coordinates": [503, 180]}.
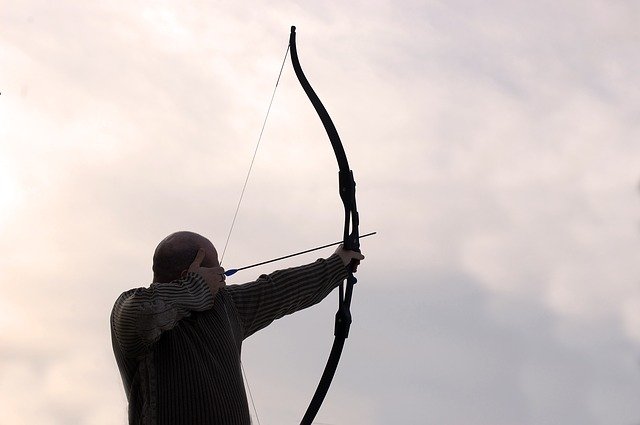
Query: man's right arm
{"type": "Point", "coordinates": [140, 315]}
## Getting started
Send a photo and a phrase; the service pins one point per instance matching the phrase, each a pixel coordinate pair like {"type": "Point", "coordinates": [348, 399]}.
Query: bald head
{"type": "Point", "coordinates": [175, 253]}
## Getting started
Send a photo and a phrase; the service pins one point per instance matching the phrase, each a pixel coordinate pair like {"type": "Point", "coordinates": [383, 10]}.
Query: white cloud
{"type": "Point", "coordinates": [495, 149]}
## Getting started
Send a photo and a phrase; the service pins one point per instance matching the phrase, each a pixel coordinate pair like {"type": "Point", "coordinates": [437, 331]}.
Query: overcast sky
{"type": "Point", "coordinates": [495, 147]}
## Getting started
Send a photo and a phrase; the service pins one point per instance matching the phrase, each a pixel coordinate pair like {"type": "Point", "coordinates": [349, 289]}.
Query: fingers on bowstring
{"type": "Point", "coordinates": [197, 261]}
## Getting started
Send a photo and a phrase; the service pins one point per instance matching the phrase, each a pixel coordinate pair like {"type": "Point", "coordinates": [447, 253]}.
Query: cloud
{"type": "Point", "coordinates": [495, 150]}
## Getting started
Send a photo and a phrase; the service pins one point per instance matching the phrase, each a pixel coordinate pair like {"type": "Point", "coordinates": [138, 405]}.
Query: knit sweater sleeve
{"type": "Point", "coordinates": [284, 292]}
{"type": "Point", "coordinates": [140, 315]}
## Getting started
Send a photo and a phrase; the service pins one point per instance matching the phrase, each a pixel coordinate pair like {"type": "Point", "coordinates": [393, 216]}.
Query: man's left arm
{"type": "Point", "coordinates": [286, 291]}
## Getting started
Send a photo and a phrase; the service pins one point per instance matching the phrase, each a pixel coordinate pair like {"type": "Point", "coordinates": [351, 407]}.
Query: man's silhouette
{"type": "Point", "coordinates": [178, 342]}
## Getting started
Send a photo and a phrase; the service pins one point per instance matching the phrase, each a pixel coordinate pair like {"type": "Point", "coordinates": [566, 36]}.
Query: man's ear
{"type": "Point", "coordinates": [183, 274]}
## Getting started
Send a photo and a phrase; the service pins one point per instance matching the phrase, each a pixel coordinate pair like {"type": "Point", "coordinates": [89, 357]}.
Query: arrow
{"type": "Point", "coordinates": [231, 272]}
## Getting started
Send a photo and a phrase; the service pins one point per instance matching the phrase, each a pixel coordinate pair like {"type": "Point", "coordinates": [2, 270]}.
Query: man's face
{"type": "Point", "coordinates": [210, 256]}
{"type": "Point", "coordinates": [211, 260]}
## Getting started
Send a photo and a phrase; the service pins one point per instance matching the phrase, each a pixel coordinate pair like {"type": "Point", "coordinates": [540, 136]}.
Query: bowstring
{"type": "Point", "coordinates": [255, 152]}
{"type": "Point", "coordinates": [235, 215]}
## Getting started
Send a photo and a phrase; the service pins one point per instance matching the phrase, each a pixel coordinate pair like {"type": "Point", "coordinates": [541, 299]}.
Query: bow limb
{"type": "Point", "coordinates": [351, 238]}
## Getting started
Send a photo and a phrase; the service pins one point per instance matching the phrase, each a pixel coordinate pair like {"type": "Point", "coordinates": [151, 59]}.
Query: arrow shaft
{"type": "Point", "coordinates": [234, 271]}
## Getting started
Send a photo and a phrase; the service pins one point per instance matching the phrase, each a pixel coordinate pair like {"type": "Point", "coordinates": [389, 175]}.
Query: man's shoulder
{"type": "Point", "coordinates": [124, 297]}
{"type": "Point", "coordinates": [126, 294]}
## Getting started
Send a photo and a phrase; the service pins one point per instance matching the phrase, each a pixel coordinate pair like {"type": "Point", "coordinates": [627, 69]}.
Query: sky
{"type": "Point", "coordinates": [495, 148]}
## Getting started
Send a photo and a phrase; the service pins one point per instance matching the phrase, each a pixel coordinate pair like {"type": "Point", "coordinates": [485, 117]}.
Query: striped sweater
{"type": "Point", "coordinates": [178, 347]}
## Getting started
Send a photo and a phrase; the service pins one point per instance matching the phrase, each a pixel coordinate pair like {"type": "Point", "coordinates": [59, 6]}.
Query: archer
{"type": "Point", "coordinates": [178, 342]}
